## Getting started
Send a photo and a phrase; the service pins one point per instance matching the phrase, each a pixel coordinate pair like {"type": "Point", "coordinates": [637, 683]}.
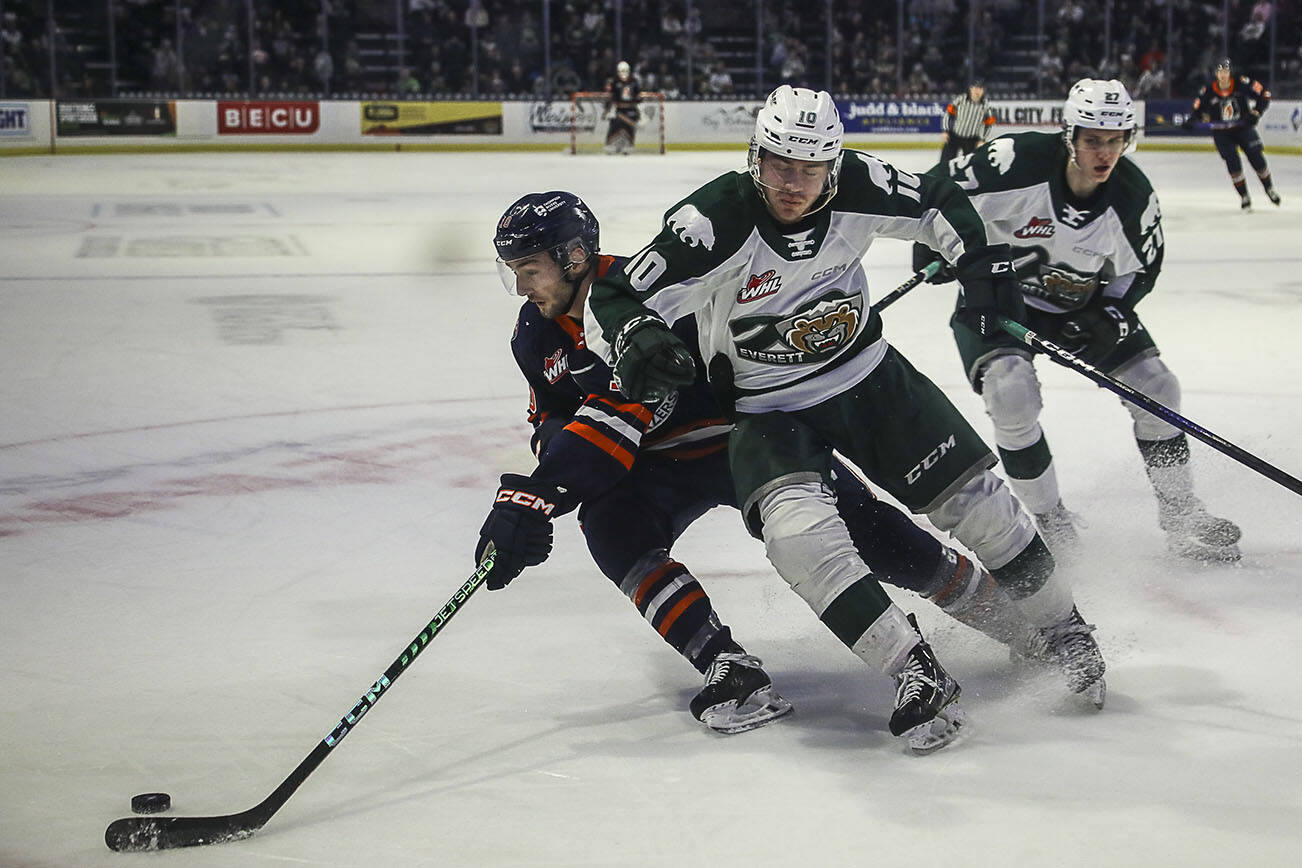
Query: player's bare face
{"type": "Point", "coordinates": [791, 186]}
{"type": "Point", "coordinates": [539, 279]}
{"type": "Point", "coordinates": [1223, 77]}
{"type": "Point", "coordinates": [1097, 153]}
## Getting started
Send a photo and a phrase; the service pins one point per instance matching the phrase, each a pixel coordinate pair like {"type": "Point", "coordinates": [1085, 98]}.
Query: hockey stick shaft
{"type": "Point", "coordinates": [134, 834]}
{"type": "Point", "coordinates": [1139, 399]}
{"type": "Point", "coordinates": [899, 292]}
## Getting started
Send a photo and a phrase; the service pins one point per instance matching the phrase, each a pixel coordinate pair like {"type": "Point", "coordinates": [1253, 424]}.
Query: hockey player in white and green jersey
{"type": "Point", "coordinates": [1086, 236]}
{"type": "Point", "coordinates": [764, 270]}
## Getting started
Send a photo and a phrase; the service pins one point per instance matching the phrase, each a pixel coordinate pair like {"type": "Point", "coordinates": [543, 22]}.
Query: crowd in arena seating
{"type": "Point", "coordinates": [708, 48]}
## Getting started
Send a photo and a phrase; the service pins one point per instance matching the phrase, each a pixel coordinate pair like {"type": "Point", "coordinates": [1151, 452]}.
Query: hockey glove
{"type": "Point", "coordinates": [1096, 330]}
{"type": "Point", "coordinates": [1188, 125]}
{"type": "Point", "coordinates": [924, 256]}
{"type": "Point", "coordinates": [650, 361]}
{"type": "Point", "coordinates": [1253, 117]}
{"type": "Point", "coordinates": [519, 526]}
{"type": "Point", "coordinates": [985, 299]}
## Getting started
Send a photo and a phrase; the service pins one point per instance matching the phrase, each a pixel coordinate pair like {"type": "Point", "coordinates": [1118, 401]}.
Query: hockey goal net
{"type": "Point", "coordinates": [590, 121]}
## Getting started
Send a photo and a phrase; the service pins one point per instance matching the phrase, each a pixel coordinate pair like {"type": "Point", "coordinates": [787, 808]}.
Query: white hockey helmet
{"type": "Point", "coordinates": [623, 70]}
{"type": "Point", "coordinates": [800, 124]}
{"type": "Point", "coordinates": [1094, 104]}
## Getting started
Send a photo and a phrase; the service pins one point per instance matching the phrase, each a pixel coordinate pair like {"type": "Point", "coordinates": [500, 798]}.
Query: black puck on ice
{"type": "Point", "coordinates": [151, 803]}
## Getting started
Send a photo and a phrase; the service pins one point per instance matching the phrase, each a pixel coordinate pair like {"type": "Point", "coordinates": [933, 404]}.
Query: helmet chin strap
{"type": "Point", "coordinates": [821, 202]}
{"type": "Point", "coordinates": [585, 265]}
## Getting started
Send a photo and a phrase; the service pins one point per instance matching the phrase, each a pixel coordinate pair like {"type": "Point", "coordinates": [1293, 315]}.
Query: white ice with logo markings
{"type": "Point", "coordinates": [254, 410]}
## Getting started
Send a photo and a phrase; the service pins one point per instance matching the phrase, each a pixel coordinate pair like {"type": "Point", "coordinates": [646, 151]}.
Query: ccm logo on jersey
{"type": "Point", "coordinates": [525, 499]}
{"type": "Point", "coordinates": [760, 285]}
{"type": "Point", "coordinates": [1036, 227]}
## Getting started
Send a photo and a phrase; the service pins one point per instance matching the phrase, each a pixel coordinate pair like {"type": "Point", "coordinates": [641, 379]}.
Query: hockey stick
{"type": "Point", "coordinates": [135, 834]}
{"type": "Point", "coordinates": [1139, 399]}
{"type": "Point", "coordinates": [927, 272]}
{"type": "Point", "coordinates": [896, 294]}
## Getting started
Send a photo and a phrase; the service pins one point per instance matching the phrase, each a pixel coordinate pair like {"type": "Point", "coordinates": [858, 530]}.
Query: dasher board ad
{"type": "Point", "coordinates": [116, 117]}
{"type": "Point", "coordinates": [431, 118]}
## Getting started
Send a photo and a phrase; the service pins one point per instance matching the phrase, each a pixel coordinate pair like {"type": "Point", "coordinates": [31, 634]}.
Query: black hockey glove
{"type": "Point", "coordinates": [650, 361]}
{"type": "Point", "coordinates": [985, 299]}
{"type": "Point", "coordinates": [1188, 125]}
{"type": "Point", "coordinates": [1253, 117]}
{"type": "Point", "coordinates": [519, 526]}
{"type": "Point", "coordinates": [924, 256]}
{"type": "Point", "coordinates": [1097, 330]}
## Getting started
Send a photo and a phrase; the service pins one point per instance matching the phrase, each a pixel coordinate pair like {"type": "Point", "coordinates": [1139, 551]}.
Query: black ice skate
{"type": "Point", "coordinates": [1058, 528]}
{"type": "Point", "coordinates": [1072, 646]}
{"type": "Point", "coordinates": [926, 700]}
{"type": "Point", "coordinates": [1272, 195]}
{"type": "Point", "coordinates": [738, 695]}
{"type": "Point", "coordinates": [1193, 532]}
{"type": "Point", "coordinates": [1245, 201]}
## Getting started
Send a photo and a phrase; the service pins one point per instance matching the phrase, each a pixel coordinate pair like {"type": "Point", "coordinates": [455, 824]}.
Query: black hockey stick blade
{"type": "Point", "coordinates": [138, 834]}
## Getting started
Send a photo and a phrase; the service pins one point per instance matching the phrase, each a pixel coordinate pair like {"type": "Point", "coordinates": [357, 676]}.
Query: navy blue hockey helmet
{"type": "Point", "coordinates": [555, 222]}
{"type": "Point", "coordinates": [1226, 64]}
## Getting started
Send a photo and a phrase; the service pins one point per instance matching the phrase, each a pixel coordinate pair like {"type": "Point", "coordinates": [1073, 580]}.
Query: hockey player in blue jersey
{"type": "Point", "coordinates": [1232, 105]}
{"type": "Point", "coordinates": [640, 474]}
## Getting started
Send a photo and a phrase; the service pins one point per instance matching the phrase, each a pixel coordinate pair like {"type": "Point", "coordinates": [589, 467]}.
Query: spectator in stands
{"type": "Point", "coordinates": [408, 83]}
{"type": "Point", "coordinates": [720, 80]}
{"type": "Point", "coordinates": [323, 66]}
{"type": "Point", "coordinates": [1152, 82]}
{"type": "Point", "coordinates": [163, 74]}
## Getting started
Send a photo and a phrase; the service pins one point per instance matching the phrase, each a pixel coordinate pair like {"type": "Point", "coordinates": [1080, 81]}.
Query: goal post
{"type": "Point", "coordinates": [589, 122]}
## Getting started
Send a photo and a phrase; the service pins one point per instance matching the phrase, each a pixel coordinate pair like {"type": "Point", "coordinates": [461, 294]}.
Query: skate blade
{"type": "Point", "coordinates": [1096, 693]}
{"type": "Point", "coordinates": [763, 707]}
{"type": "Point", "coordinates": [1203, 553]}
{"type": "Point", "coordinates": [943, 729]}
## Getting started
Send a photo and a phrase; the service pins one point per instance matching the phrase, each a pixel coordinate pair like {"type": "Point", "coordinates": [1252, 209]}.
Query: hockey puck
{"type": "Point", "coordinates": [151, 803]}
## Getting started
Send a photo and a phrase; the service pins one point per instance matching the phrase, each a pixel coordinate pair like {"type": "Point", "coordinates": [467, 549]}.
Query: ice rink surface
{"type": "Point", "coordinates": [254, 407]}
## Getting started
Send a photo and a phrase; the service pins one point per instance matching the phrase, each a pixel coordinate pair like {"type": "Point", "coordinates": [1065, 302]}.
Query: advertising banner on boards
{"type": "Point", "coordinates": [116, 117]}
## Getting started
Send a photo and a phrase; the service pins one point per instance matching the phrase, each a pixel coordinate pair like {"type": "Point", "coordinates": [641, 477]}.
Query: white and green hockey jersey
{"type": "Point", "coordinates": [1066, 250]}
{"type": "Point", "coordinates": [786, 306]}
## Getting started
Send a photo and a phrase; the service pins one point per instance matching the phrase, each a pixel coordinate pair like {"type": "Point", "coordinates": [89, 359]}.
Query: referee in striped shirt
{"type": "Point", "coordinates": [967, 122]}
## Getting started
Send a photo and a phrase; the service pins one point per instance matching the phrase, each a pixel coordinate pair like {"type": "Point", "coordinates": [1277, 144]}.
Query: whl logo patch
{"type": "Point", "coordinates": [556, 366]}
{"type": "Point", "coordinates": [1036, 227]}
{"type": "Point", "coordinates": [760, 286]}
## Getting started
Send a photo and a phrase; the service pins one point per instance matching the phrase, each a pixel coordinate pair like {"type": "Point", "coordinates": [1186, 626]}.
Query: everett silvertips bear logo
{"type": "Point", "coordinates": [816, 332]}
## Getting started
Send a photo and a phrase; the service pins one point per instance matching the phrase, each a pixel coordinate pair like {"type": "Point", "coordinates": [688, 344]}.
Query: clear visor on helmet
{"type": "Point", "coordinates": [507, 275]}
{"type": "Point", "coordinates": [506, 269]}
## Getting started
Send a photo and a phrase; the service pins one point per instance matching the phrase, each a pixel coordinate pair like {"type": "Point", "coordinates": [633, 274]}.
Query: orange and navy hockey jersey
{"type": "Point", "coordinates": [587, 435]}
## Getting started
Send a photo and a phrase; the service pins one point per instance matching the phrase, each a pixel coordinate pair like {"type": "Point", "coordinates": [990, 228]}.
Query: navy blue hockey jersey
{"type": "Point", "coordinates": [586, 433]}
